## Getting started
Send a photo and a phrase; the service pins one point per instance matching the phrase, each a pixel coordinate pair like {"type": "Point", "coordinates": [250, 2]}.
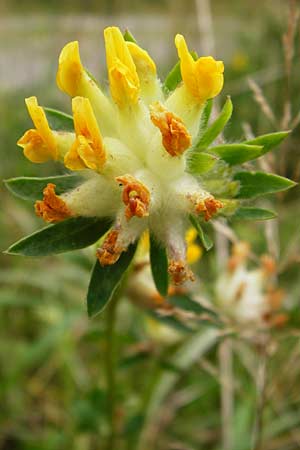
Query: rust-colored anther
{"type": "Point", "coordinates": [268, 265]}
{"type": "Point", "coordinates": [175, 137]}
{"type": "Point", "coordinates": [240, 253]}
{"type": "Point", "coordinates": [275, 298]}
{"type": "Point", "coordinates": [110, 251]}
{"type": "Point", "coordinates": [52, 208]}
{"type": "Point", "coordinates": [209, 207]}
{"type": "Point", "coordinates": [136, 197]}
{"type": "Point", "coordinates": [180, 272]}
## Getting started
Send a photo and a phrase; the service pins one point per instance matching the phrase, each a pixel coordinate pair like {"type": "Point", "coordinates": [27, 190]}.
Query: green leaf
{"type": "Point", "coordinates": [201, 162]}
{"type": "Point", "coordinates": [174, 76]}
{"type": "Point", "coordinates": [30, 188]}
{"type": "Point", "coordinates": [59, 120]}
{"type": "Point", "coordinates": [205, 116]}
{"type": "Point", "coordinates": [105, 280]}
{"type": "Point", "coordinates": [204, 238]}
{"type": "Point", "coordinates": [255, 184]}
{"type": "Point", "coordinates": [249, 213]}
{"type": "Point", "coordinates": [159, 266]}
{"type": "Point", "coordinates": [188, 304]}
{"type": "Point", "coordinates": [268, 141]}
{"type": "Point", "coordinates": [71, 234]}
{"type": "Point", "coordinates": [204, 139]}
{"type": "Point", "coordinates": [237, 153]}
{"type": "Point", "coordinates": [129, 37]}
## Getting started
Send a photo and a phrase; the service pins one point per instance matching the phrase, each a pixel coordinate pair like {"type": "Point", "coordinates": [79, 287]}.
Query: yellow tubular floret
{"type": "Point", "coordinates": [40, 144]}
{"type": "Point", "coordinates": [122, 74]}
{"type": "Point", "coordinates": [203, 78]}
{"type": "Point", "coordinates": [70, 69]}
{"type": "Point", "coordinates": [88, 151]}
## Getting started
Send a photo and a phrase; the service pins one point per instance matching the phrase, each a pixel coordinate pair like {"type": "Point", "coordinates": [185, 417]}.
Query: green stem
{"type": "Point", "coordinates": [110, 366]}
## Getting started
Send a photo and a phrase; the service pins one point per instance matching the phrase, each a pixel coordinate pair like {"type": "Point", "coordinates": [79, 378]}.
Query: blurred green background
{"type": "Point", "coordinates": [52, 390]}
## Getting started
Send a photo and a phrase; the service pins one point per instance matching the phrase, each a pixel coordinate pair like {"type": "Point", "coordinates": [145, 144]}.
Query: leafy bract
{"type": "Point", "coordinates": [204, 238]}
{"type": "Point", "coordinates": [268, 141]}
{"type": "Point", "coordinates": [71, 234]}
{"type": "Point", "coordinates": [31, 188]}
{"type": "Point", "coordinates": [251, 213]}
{"type": "Point", "coordinates": [59, 120]}
{"type": "Point", "coordinates": [159, 266]}
{"type": "Point", "coordinates": [255, 184]}
{"type": "Point", "coordinates": [200, 162]}
{"type": "Point", "coordinates": [105, 280]}
{"type": "Point", "coordinates": [237, 153]}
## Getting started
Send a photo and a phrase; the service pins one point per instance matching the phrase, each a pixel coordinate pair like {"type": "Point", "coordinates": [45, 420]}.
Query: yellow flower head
{"type": "Point", "coordinates": [88, 150]}
{"type": "Point", "coordinates": [70, 69]}
{"type": "Point", "coordinates": [39, 145]}
{"type": "Point", "coordinates": [122, 73]}
{"type": "Point", "coordinates": [203, 78]}
{"type": "Point", "coordinates": [132, 150]}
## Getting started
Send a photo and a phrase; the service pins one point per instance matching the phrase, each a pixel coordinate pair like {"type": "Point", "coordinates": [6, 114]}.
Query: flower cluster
{"type": "Point", "coordinates": [131, 148]}
{"type": "Point", "coordinates": [250, 296]}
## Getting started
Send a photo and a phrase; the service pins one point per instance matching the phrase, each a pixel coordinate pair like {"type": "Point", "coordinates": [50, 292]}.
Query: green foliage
{"type": "Point", "coordinates": [255, 184]}
{"type": "Point", "coordinates": [71, 234]}
{"type": "Point", "coordinates": [206, 137]}
{"type": "Point", "coordinates": [31, 188]}
{"type": "Point", "coordinates": [59, 120]}
{"type": "Point", "coordinates": [159, 266]}
{"type": "Point", "coordinates": [251, 213]}
{"type": "Point", "coordinates": [268, 141]}
{"type": "Point", "coordinates": [204, 238]}
{"type": "Point", "coordinates": [128, 36]}
{"type": "Point", "coordinates": [105, 280]}
{"type": "Point", "coordinates": [237, 153]}
{"type": "Point", "coordinates": [199, 163]}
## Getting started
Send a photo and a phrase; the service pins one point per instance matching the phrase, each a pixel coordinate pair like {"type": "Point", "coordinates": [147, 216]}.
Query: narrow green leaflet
{"type": "Point", "coordinates": [199, 163]}
{"type": "Point", "coordinates": [71, 234]}
{"type": "Point", "coordinates": [205, 240]}
{"type": "Point", "coordinates": [237, 153]}
{"type": "Point", "coordinates": [188, 304]}
{"type": "Point", "coordinates": [251, 213]}
{"type": "Point", "coordinates": [172, 79]}
{"type": "Point", "coordinates": [59, 120]}
{"type": "Point", "coordinates": [205, 116]}
{"type": "Point", "coordinates": [129, 37]}
{"type": "Point", "coordinates": [159, 266]}
{"type": "Point", "coordinates": [174, 76]}
{"type": "Point", "coordinates": [255, 184]}
{"type": "Point", "coordinates": [105, 280]}
{"type": "Point", "coordinates": [268, 141]}
{"type": "Point", "coordinates": [30, 188]}
{"type": "Point", "coordinates": [204, 139]}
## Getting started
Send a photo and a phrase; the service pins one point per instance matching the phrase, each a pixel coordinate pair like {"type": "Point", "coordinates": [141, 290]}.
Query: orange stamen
{"type": "Point", "coordinates": [52, 208]}
{"type": "Point", "coordinates": [136, 197]}
{"type": "Point", "coordinates": [175, 137]}
{"type": "Point", "coordinates": [110, 252]}
{"type": "Point", "coordinates": [180, 272]}
{"type": "Point", "coordinates": [209, 207]}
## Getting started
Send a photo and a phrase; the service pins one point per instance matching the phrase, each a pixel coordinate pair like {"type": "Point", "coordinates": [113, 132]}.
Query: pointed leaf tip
{"type": "Point", "coordinates": [105, 280]}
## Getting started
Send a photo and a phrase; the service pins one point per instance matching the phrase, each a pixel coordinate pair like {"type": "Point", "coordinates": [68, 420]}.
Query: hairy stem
{"type": "Point", "coordinates": [110, 367]}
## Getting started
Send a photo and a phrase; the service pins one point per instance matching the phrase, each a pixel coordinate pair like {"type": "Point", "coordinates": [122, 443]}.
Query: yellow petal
{"type": "Point", "coordinates": [70, 69]}
{"type": "Point", "coordinates": [194, 253]}
{"type": "Point", "coordinates": [203, 78]}
{"type": "Point", "coordinates": [39, 144]}
{"type": "Point", "coordinates": [123, 77]}
{"type": "Point", "coordinates": [88, 149]}
{"type": "Point", "coordinates": [191, 235]}
{"type": "Point", "coordinates": [143, 62]}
